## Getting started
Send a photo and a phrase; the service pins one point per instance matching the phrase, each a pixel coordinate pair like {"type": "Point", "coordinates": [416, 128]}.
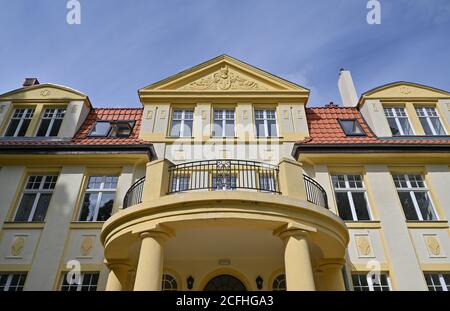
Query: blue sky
{"type": "Point", "coordinates": [122, 46]}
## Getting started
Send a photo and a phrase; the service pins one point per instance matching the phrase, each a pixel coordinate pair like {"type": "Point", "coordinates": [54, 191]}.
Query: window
{"type": "Point", "coordinates": [19, 123]}
{"type": "Point", "coordinates": [430, 121]}
{"type": "Point", "coordinates": [182, 121]}
{"type": "Point", "coordinates": [223, 123]}
{"type": "Point", "coordinates": [99, 198]}
{"type": "Point", "coordinates": [35, 198]}
{"type": "Point", "coordinates": [351, 197]}
{"type": "Point", "coordinates": [224, 182]}
{"type": "Point", "coordinates": [438, 282]}
{"type": "Point", "coordinates": [267, 182]}
{"type": "Point", "coordinates": [12, 282]}
{"type": "Point", "coordinates": [414, 197]}
{"type": "Point", "coordinates": [51, 122]}
{"type": "Point", "coordinates": [169, 283]}
{"type": "Point", "coordinates": [398, 121]}
{"type": "Point", "coordinates": [112, 129]}
{"type": "Point", "coordinates": [351, 127]}
{"type": "Point", "coordinates": [180, 183]}
{"type": "Point", "coordinates": [266, 123]}
{"type": "Point", "coordinates": [86, 282]}
{"type": "Point", "coordinates": [279, 283]}
{"type": "Point", "coordinates": [368, 282]}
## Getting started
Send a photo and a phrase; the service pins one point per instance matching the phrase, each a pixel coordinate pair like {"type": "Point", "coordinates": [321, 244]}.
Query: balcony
{"type": "Point", "coordinates": [226, 175]}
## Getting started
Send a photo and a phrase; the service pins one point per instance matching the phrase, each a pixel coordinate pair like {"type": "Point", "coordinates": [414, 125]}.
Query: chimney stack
{"type": "Point", "coordinates": [347, 89]}
{"type": "Point", "coordinates": [30, 82]}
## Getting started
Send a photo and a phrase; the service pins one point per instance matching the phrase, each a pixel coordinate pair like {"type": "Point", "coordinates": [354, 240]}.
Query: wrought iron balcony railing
{"type": "Point", "coordinates": [223, 175]}
{"type": "Point", "coordinates": [215, 175]}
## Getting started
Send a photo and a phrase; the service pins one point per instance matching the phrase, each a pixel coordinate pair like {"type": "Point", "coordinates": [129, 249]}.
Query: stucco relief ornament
{"type": "Point", "coordinates": [45, 93]}
{"type": "Point", "coordinates": [86, 246]}
{"type": "Point", "coordinates": [224, 79]}
{"type": "Point", "coordinates": [433, 245]}
{"type": "Point", "coordinates": [364, 246]}
{"type": "Point", "coordinates": [405, 90]}
{"type": "Point", "coordinates": [17, 246]}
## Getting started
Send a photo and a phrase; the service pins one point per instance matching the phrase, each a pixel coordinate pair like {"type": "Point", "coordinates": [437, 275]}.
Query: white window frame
{"type": "Point", "coordinates": [80, 281]}
{"type": "Point", "coordinates": [397, 117]}
{"type": "Point", "coordinates": [370, 280]}
{"type": "Point", "coordinates": [224, 120]}
{"type": "Point", "coordinates": [349, 191]}
{"type": "Point", "coordinates": [424, 111]}
{"type": "Point", "coordinates": [38, 193]}
{"type": "Point", "coordinates": [56, 115]}
{"type": "Point", "coordinates": [164, 277]}
{"type": "Point", "coordinates": [445, 287]}
{"type": "Point", "coordinates": [26, 111]}
{"type": "Point", "coordinates": [183, 119]}
{"type": "Point", "coordinates": [411, 191]}
{"type": "Point", "coordinates": [100, 192]}
{"type": "Point", "coordinates": [266, 127]}
{"type": "Point", "coordinates": [10, 277]}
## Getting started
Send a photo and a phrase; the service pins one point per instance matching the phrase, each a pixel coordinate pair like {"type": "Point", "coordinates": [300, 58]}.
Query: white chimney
{"type": "Point", "coordinates": [347, 89]}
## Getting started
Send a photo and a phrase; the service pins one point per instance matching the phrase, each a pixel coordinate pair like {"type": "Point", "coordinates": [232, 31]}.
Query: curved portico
{"type": "Point", "coordinates": [243, 233]}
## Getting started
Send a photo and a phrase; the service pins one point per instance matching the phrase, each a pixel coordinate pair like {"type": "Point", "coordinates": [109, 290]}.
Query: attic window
{"type": "Point", "coordinates": [351, 127]}
{"type": "Point", "coordinates": [112, 129]}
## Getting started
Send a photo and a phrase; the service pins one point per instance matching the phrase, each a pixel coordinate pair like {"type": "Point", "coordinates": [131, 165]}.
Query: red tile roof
{"type": "Point", "coordinates": [81, 137]}
{"type": "Point", "coordinates": [324, 129]}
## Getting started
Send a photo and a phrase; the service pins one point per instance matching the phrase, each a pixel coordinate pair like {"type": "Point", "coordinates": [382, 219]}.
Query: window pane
{"type": "Point", "coordinates": [88, 208]}
{"type": "Point", "coordinates": [426, 126]}
{"type": "Point", "coordinates": [272, 127]}
{"type": "Point", "coordinates": [12, 128]}
{"type": "Point", "coordinates": [351, 127]}
{"type": "Point", "coordinates": [408, 206]}
{"type": "Point", "coordinates": [217, 128]}
{"type": "Point", "coordinates": [101, 129]}
{"type": "Point", "coordinates": [405, 126]}
{"type": "Point", "coordinates": [343, 206]}
{"type": "Point", "coordinates": [42, 206]}
{"type": "Point", "coordinates": [43, 127]}
{"type": "Point", "coordinates": [437, 126]}
{"type": "Point", "coordinates": [260, 128]}
{"type": "Point", "coordinates": [106, 205]}
{"type": "Point", "coordinates": [55, 128]}
{"type": "Point", "coordinates": [229, 128]}
{"type": "Point", "coordinates": [187, 129]}
{"type": "Point", "coordinates": [26, 204]}
{"type": "Point", "coordinates": [425, 206]}
{"type": "Point", "coordinates": [175, 129]}
{"type": "Point", "coordinates": [360, 203]}
{"type": "Point", "coordinates": [393, 126]}
{"type": "Point", "coordinates": [23, 128]}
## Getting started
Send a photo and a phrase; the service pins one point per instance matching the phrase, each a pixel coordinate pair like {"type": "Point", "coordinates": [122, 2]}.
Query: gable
{"type": "Point", "coordinates": [223, 74]}
{"type": "Point", "coordinates": [399, 90]}
{"type": "Point", "coordinates": [43, 92]}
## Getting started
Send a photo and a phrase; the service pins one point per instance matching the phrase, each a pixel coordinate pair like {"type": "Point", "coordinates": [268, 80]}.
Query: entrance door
{"type": "Point", "coordinates": [225, 282]}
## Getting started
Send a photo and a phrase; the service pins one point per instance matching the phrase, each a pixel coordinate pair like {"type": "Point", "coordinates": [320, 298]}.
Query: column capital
{"type": "Point", "coordinates": [329, 264]}
{"type": "Point", "coordinates": [117, 264]}
{"type": "Point", "coordinates": [293, 230]}
{"type": "Point", "coordinates": [159, 232]}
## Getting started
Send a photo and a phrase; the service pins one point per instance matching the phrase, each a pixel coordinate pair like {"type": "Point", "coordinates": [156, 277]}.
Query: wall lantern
{"type": "Point", "coordinates": [190, 282]}
{"type": "Point", "coordinates": [259, 282]}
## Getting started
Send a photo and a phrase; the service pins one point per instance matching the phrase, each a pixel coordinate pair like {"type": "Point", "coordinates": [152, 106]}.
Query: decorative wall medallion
{"type": "Point", "coordinates": [74, 109]}
{"type": "Point", "coordinates": [203, 114]}
{"type": "Point", "coordinates": [375, 107]}
{"type": "Point", "coordinates": [45, 92]}
{"type": "Point", "coordinates": [245, 114]}
{"type": "Point", "coordinates": [448, 106]}
{"type": "Point", "coordinates": [86, 246]}
{"type": "Point", "coordinates": [364, 246]}
{"type": "Point", "coordinates": [149, 115]}
{"type": "Point", "coordinates": [17, 246]}
{"type": "Point", "coordinates": [224, 79]}
{"type": "Point", "coordinates": [286, 114]}
{"type": "Point", "coordinates": [163, 114]}
{"type": "Point", "coordinates": [299, 114]}
{"type": "Point", "coordinates": [405, 90]}
{"type": "Point", "coordinates": [433, 246]}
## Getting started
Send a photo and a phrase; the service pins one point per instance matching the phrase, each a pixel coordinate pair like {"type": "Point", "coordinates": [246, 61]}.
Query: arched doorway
{"type": "Point", "coordinates": [225, 282]}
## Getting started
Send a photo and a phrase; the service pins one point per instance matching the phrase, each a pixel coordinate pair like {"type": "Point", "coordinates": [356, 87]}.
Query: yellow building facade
{"type": "Point", "coordinates": [225, 179]}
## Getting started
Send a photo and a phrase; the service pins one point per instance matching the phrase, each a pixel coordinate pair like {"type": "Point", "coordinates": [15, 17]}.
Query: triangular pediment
{"type": "Point", "coordinates": [405, 90]}
{"type": "Point", "coordinates": [224, 74]}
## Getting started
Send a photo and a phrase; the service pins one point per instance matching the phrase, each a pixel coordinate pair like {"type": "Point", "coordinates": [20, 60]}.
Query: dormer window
{"type": "Point", "coordinates": [51, 122]}
{"type": "Point", "coordinates": [19, 123]}
{"type": "Point", "coordinates": [351, 127]}
{"type": "Point", "coordinates": [398, 121]}
{"type": "Point", "coordinates": [112, 129]}
{"type": "Point", "coordinates": [430, 121]}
